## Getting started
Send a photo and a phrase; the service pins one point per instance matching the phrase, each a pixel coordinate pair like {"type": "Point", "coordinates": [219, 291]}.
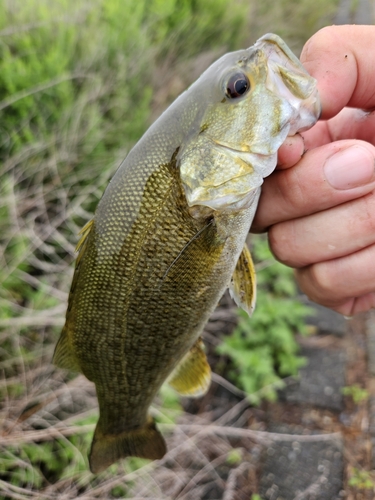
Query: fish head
{"type": "Point", "coordinates": [249, 102]}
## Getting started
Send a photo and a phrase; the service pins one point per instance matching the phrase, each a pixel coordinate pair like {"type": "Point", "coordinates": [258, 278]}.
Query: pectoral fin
{"type": "Point", "coordinates": [192, 376]}
{"type": "Point", "coordinates": [243, 285]}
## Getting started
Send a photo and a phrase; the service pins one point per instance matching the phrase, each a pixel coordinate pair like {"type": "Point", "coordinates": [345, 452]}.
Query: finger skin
{"type": "Point", "coordinates": [323, 236]}
{"type": "Point", "coordinates": [349, 123]}
{"type": "Point", "coordinates": [346, 285]}
{"type": "Point", "coordinates": [291, 151]}
{"type": "Point", "coordinates": [338, 57]}
{"type": "Point", "coordinates": [303, 190]}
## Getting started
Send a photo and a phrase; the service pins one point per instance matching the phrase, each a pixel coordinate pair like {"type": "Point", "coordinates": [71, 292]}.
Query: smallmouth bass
{"type": "Point", "coordinates": [168, 237]}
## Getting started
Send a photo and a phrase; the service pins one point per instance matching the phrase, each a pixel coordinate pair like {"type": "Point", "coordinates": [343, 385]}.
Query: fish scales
{"type": "Point", "coordinates": [151, 304]}
{"type": "Point", "coordinates": [169, 235]}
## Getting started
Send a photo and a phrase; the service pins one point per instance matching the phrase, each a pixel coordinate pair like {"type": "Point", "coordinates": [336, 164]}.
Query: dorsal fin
{"type": "Point", "coordinates": [81, 245]}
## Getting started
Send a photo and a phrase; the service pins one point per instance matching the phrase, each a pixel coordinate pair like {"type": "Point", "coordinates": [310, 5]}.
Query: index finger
{"type": "Point", "coordinates": [342, 60]}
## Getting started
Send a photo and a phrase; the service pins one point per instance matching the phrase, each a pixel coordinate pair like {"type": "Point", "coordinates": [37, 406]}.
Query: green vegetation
{"type": "Point", "coordinates": [357, 393]}
{"type": "Point", "coordinates": [234, 457]}
{"type": "Point", "coordinates": [361, 479]}
{"type": "Point", "coordinates": [262, 349]}
{"type": "Point", "coordinates": [80, 81]}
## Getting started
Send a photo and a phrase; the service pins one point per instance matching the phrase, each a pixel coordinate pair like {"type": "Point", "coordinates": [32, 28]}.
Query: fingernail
{"type": "Point", "coordinates": [350, 168]}
{"type": "Point", "coordinates": [291, 151]}
{"type": "Point", "coordinates": [296, 141]}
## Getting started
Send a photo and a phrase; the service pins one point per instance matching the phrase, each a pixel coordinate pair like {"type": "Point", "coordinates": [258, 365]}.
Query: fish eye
{"type": "Point", "coordinates": [237, 85]}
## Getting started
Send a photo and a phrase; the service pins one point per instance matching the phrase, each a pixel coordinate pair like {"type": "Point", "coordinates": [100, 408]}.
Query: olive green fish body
{"type": "Point", "coordinates": [169, 235]}
{"type": "Point", "coordinates": [137, 311]}
{"type": "Point", "coordinates": [150, 300]}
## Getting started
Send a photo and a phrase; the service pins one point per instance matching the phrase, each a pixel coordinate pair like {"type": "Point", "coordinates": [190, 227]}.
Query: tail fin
{"type": "Point", "coordinates": [144, 442]}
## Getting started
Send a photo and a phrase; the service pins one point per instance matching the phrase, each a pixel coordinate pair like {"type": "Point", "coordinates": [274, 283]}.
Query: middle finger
{"type": "Point", "coordinates": [326, 235]}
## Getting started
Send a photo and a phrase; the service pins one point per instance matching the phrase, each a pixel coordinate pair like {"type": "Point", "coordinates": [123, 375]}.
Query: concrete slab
{"type": "Point", "coordinates": [300, 470]}
{"type": "Point", "coordinates": [321, 381]}
{"type": "Point", "coordinates": [325, 320]}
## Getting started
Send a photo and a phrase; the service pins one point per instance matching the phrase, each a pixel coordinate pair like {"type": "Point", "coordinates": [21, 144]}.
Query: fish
{"type": "Point", "coordinates": [168, 238]}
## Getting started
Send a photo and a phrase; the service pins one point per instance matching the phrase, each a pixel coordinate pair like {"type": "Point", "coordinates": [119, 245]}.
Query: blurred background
{"type": "Point", "coordinates": [80, 81]}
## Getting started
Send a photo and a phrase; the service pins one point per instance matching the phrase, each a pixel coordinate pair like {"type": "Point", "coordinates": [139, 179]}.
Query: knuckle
{"type": "Point", "coordinates": [323, 279]}
{"type": "Point", "coordinates": [282, 243]}
{"type": "Point", "coordinates": [322, 283]}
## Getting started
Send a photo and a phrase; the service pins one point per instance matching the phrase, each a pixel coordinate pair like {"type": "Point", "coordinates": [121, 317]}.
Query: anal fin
{"type": "Point", "coordinates": [243, 284]}
{"type": "Point", "coordinates": [192, 376]}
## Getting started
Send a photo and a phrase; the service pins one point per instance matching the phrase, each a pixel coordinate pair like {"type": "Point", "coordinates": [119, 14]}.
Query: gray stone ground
{"type": "Point", "coordinates": [321, 381]}
{"type": "Point", "coordinates": [303, 469]}
{"type": "Point", "coordinates": [325, 320]}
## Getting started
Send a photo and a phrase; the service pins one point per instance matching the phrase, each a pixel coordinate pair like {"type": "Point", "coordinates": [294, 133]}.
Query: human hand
{"type": "Point", "coordinates": [320, 211]}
